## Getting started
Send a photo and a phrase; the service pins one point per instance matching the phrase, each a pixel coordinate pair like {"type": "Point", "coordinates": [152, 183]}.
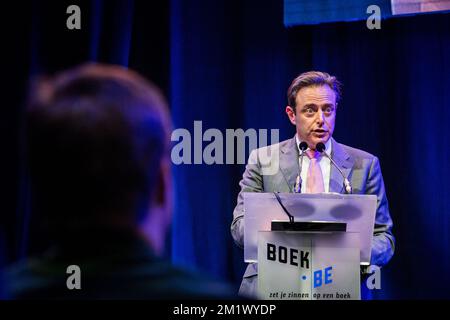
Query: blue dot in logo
{"type": "Point", "coordinates": [303, 277]}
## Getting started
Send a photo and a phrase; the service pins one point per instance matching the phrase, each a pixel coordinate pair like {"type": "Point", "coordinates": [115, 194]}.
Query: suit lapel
{"type": "Point", "coordinates": [289, 162]}
{"type": "Point", "coordinates": [289, 165]}
{"type": "Point", "coordinates": [345, 162]}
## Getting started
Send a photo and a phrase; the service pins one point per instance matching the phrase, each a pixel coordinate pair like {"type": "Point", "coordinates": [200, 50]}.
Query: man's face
{"type": "Point", "coordinates": [314, 114]}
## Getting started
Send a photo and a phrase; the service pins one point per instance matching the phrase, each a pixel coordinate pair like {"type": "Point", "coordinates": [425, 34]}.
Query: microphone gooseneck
{"type": "Point", "coordinates": [298, 184]}
{"type": "Point", "coordinates": [320, 147]}
{"type": "Point", "coordinates": [291, 217]}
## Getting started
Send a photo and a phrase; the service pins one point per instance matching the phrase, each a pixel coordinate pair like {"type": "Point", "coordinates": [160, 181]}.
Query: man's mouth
{"type": "Point", "coordinates": [320, 133]}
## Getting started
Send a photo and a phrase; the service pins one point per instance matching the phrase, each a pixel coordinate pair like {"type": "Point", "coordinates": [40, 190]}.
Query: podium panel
{"type": "Point", "coordinates": [357, 211]}
{"type": "Point", "coordinates": [308, 265]}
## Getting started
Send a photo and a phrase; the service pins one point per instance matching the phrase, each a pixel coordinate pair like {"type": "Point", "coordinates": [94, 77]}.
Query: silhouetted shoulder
{"type": "Point", "coordinates": [134, 277]}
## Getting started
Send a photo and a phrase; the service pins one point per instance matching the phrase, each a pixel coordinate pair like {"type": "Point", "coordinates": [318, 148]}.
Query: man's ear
{"type": "Point", "coordinates": [163, 192]}
{"type": "Point", "coordinates": [291, 114]}
{"type": "Point", "coordinates": [157, 221]}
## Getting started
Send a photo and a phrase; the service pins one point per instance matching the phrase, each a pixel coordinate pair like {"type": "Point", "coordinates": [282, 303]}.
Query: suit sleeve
{"type": "Point", "coordinates": [383, 242]}
{"type": "Point", "coordinates": [252, 181]}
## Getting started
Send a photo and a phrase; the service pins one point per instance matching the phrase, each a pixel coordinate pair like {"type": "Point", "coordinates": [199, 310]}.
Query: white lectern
{"type": "Point", "coordinates": [308, 246]}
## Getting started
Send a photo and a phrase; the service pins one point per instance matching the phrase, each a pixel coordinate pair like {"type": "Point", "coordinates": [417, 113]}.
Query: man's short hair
{"type": "Point", "coordinates": [96, 135]}
{"type": "Point", "coordinates": [312, 78]}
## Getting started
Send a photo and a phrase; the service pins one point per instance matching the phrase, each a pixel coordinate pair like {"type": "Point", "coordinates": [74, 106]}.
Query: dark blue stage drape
{"type": "Point", "coordinates": [129, 33]}
{"type": "Point", "coordinates": [228, 64]}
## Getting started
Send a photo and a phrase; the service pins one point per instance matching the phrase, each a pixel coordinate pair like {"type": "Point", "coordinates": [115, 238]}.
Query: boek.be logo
{"type": "Point", "coordinates": [299, 258]}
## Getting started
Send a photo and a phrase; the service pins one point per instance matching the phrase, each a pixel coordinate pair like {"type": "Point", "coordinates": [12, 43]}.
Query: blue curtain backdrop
{"type": "Point", "coordinates": [228, 64]}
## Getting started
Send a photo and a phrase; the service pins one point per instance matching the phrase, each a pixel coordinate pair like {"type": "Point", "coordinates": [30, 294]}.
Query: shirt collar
{"type": "Point", "coordinates": [327, 145]}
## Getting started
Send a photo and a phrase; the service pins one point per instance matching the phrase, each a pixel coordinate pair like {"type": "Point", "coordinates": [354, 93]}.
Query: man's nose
{"type": "Point", "coordinates": [320, 117]}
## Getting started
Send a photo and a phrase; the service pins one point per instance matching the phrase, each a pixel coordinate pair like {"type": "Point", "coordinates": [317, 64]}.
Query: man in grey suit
{"type": "Point", "coordinates": [313, 99]}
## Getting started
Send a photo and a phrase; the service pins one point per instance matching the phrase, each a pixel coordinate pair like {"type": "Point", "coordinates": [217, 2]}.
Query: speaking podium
{"type": "Point", "coordinates": [308, 246]}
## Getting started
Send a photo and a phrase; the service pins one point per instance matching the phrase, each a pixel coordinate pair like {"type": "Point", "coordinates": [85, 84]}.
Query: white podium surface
{"type": "Point", "coordinates": [357, 211]}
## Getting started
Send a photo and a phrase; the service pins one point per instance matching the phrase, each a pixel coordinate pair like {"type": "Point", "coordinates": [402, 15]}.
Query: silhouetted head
{"type": "Point", "coordinates": [97, 142]}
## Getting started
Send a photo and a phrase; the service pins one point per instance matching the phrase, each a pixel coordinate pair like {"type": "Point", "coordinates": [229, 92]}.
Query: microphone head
{"type": "Point", "coordinates": [320, 147]}
{"type": "Point", "coordinates": [348, 186]}
{"type": "Point", "coordinates": [303, 146]}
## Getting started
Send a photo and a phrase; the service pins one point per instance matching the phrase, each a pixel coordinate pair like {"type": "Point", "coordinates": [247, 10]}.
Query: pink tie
{"type": "Point", "coordinates": [314, 180]}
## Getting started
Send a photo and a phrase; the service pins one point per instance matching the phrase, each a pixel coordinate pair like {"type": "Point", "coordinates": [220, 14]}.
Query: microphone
{"type": "Point", "coordinates": [291, 217]}
{"type": "Point", "coordinates": [320, 147]}
{"type": "Point", "coordinates": [298, 184]}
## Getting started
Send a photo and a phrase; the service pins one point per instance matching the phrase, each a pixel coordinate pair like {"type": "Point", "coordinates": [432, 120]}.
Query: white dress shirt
{"type": "Point", "coordinates": [324, 163]}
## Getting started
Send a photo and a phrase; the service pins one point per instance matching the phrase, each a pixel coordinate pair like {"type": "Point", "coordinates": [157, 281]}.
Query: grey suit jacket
{"type": "Point", "coordinates": [362, 169]}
